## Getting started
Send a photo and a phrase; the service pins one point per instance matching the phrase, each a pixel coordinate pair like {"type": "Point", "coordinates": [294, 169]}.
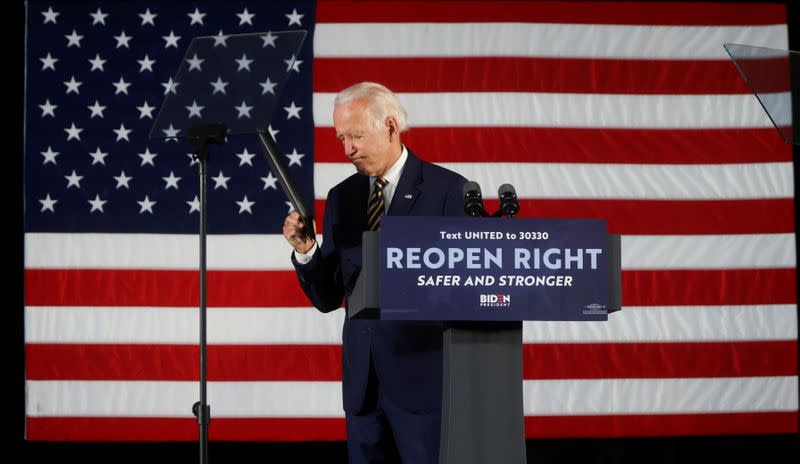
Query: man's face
{"type": "Point", "coordinates": [369, 148]}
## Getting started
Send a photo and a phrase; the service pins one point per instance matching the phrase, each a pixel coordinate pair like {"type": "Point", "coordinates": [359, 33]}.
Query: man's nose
{"type": "Point", "coordinates": [349, 147]}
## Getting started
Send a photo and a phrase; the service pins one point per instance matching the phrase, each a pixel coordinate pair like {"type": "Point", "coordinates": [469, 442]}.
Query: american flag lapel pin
{"type": "Point", "coordinates": [408, 196]}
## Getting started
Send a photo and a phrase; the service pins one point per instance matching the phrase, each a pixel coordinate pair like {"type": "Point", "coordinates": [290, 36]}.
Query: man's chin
{"type": "Point", "coordinates": [361, 169]}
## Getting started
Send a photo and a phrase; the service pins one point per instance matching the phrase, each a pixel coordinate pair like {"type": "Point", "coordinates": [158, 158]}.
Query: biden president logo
{"type": "Point", "coordinates": [495, 300]}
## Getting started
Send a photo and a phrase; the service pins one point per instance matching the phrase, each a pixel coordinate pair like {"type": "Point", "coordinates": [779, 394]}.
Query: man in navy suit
{"type": "Point", "coordinates": [391, 371]}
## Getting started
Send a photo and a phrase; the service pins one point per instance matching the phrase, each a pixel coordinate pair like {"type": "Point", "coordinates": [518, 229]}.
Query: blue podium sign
{"type": "Point", "coordinates": [443, 268]}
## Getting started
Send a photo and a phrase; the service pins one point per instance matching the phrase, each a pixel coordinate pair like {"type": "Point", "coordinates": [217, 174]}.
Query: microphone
{"type": "Point", "coordinates": [509, 205]}
{"type": "Point", "coordinates": [276, 162]}
{"type": "Point", "coordinates": [473, 201]}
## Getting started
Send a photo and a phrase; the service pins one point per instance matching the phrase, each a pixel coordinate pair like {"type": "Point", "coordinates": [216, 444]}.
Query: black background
{"type": "Point", "coordinates": [726, 449]}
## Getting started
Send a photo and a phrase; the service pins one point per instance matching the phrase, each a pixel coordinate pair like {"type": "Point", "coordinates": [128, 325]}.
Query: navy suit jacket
{"type": "Point", "coordinates": [407, 356]}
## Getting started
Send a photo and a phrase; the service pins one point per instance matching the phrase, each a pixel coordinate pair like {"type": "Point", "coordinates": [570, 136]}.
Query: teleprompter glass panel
{"type": "Point", "coordinates": [768, 73]}
{"type": "Point", "coordinates": [234, 80]}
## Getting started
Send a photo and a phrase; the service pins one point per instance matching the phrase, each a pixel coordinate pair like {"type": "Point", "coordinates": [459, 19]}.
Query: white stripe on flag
{"type": "Point", "coordinates": [323, 399]}
{"type": "Point", "coordinates": [621, 181]}
{"type": "Point", "coordinates": [270, 252]}
{"type": "Point", "coordinates": [539, 39]}
{"type": "Point", "coordinates": [67, 324]}
{"type": "Point", "coordinates": [175, 399]}
{"type": "Point", "coordinates": [745, 251]}
{"type": "Point", "coordinates": [659, 396]}
{"type": "Point", "coordinates": [673, 324]}
{"type": "Point", "coordinates": [155, 251]}
{"type": "Point", "coordinates": [525, 109]}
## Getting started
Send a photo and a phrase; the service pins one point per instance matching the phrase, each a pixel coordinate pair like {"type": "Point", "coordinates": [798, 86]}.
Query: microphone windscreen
{"type": "Point", "coordinates": [472, 188]}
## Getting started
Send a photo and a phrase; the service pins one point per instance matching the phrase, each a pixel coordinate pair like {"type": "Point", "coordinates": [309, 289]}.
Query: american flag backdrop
{"type": "Point", "coordinates": [626, 111]}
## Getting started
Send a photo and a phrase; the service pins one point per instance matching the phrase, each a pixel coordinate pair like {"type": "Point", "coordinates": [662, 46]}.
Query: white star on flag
{"type": "Point", "coordinates": [48, 109]}
{"type": "Point", "coordinates": [170, 87]}
{"type": "Point", "coordinates": [171, 132]}
{"type": "Point", "coordinates": [245, 18]}
{"type": "Point", "coordinates": [197, 17]}
{"type": "Point", "coordinates": [72, 85]}
{"type": "Point", "coordinates": [146, 63]}
{"type": "Point", "coordinates": [122, 133]}
{"type": "Point", "coordinates": [293, 111]}
{"type": "Point", "coordinates": [73, 179]}
{"type": "Point", "coordinates": [97, 204]}
{"type": "Point", "coordinates": [147, 157]}
{"type": "Point", "coordinates": [73, 132]}
{"type": "Point", "coordinates": [122, 180]}
{"type": "Point", "coordinates": [244, 110]}
{"type": "Point", "coordinates": [96, 109]}
{"type": "Point", "coordinates": [273, 132]}
{"type": "Point", "coordinates": [293, 64]}
{"type": "Point", "coordinates": [245, 205]}
{"type": "Point", "coordinates": [244, 63]}
{"type": "Point", "coordinates": [269, 181]}
{"type": "Point", "coordinates": [171, 39]}
{"type": "Point", "coordinates": [50, 15]}
{"type": "Point", "coordinates": [294, 18]}
{"type": "Point", "coordinates": [195, 62]}
{"type": "Point", "coordinates": [269, 39]}
{"type": "Point", "coordinates": [98, 17]}
{"type": "Point", "coordinates": [219, 86]}
{"type": "Point", "coordinates": [122, 86]}
{"type": "Point", "coordinates": [220, 39]}
{"type": "Point", "coordinates": [147, 18]}
{"type": "Point", "coordinates": [245, 157]}
{"type": "Point", "coordinates": [146, 205]}
{"type": "Point", "coordinates": [171, 181]}
{"type": "Point", "coordinates": [195, 109]}
{"type": "Point", "coordinates": [122, 40]}
{"type": "Point", "coordinates": [48, 62]}
{"type": "Point", "coordinates": [145, 110]}
{"type": "Point", "coordinates": [49, 156]}
{"type": "Point", "coordinates": [74, 39]}
{"type": "Point", "coordinates": [294, 157]}
{"type": "Point", "coordinates": [220, 181]}
{"type": "Point", "coordinates": [48, 204]}
{"type": "Point", "coordinates": [97, 63]}
{"type": "Point", "coordinates": [98, 157]}
{"type": "Point", "coordinates": [268, 86]}
{"type": "Point", "coordinates": [194, 205]}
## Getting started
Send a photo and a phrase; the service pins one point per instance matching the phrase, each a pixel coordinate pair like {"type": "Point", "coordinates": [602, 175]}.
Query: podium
{"type": "Point", "coordinates": [482, 378]}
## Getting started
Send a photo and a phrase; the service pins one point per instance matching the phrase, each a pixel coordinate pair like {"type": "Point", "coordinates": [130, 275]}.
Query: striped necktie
{"type": "Point", "coordinates": [376, 205]}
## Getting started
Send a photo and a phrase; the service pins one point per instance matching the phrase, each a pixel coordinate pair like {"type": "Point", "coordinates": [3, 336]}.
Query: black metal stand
{"type": "Point", "coordinates": [200, 137]}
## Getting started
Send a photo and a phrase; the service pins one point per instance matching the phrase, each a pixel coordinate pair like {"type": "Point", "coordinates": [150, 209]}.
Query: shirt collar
{"type": "Point", "coordinates": [392, 175]}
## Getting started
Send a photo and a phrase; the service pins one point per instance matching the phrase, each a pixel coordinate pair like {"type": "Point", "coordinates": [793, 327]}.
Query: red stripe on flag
{"type": "Point", "coordinates": [562, 75]}
{"type": "Point", "coordinates": [181, 362]}
{"type": "Point", "coordinates": [658, 217]}
{"type": "Point", "coordinates": [573, 145]}
{"type": "Point", "coordinates": [327, 429]}
{"type": "Point", "coordinates": [659, 360]}
{"type": "Point", "coordinates": [323, 362]}
{"type": "Point", "coordinates": [656, 13]}
{"type": "Point", "coordinates": [169, 429]}
{"type": "Point", "coordinates": [709, 287]}
{"type": "Point", "coordinates": [636, 425]}
{"type": "Point", "coordinates": [144, 287]}
{"type": "Point", "coordinates": [58, 287]}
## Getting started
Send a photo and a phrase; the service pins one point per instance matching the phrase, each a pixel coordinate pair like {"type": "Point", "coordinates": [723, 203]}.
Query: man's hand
{"type": "Point", "coordinates": [295, 233]}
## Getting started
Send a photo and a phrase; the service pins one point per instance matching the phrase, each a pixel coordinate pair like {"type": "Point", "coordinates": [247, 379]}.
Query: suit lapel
{"type": "Point", "coordinates": [408, 187]}
{"type": "Point", "coordinates": [359, 206]}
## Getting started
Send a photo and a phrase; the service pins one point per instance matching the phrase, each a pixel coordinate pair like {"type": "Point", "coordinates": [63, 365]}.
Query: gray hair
{"type": "Point", "coordinates": [381, 101]}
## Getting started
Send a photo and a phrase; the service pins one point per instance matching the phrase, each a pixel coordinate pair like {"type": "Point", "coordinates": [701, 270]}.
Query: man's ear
{"type": "Point", "coordinates": [391, 124]}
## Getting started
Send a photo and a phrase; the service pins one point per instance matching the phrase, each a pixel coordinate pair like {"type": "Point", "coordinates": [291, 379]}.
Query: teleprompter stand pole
{"type": "Point", "coordinates": [200, 136]}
